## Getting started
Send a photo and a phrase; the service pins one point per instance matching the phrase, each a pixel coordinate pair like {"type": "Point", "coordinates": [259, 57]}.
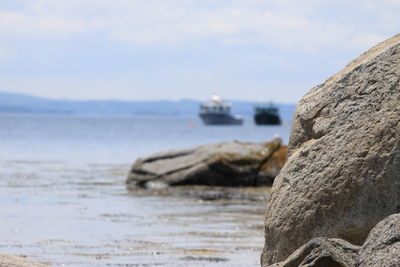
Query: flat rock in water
{"type": "Point", "coordinates": [222, 164]}
{"type": "Point", "coordinates": [342, 175]}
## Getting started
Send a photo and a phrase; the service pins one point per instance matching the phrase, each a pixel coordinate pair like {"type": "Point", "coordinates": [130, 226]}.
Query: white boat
{"type": "Point", "coordinates": [218, 112]}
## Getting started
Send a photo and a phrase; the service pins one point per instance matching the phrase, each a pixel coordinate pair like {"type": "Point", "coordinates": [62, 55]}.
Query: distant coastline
{"type": "Point", "coordinates": [21, 103]}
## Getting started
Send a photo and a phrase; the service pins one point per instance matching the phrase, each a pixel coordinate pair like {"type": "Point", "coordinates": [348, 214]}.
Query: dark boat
{"type": "Point", "coordinates": [217, 112]}
{"type": "Point", "coordinates": [267, 115]}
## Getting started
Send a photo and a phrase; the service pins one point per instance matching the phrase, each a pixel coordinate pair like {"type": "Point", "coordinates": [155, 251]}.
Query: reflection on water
{"type": "Point", "coordinates": [55, 213]}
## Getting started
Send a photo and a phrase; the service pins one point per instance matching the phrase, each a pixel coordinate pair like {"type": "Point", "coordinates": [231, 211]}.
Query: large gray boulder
{"type": "Point", "coordinates": [382, 247]}
{"type": "Point", "coordinates": [343, 172]}
{"type": "Point", "coordinates": [14, 261]}
{"type": "Point", "coordinates": [222, 164]}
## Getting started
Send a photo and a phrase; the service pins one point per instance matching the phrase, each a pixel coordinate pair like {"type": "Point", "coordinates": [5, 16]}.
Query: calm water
{"type": "Point", "coordinates": [64, 200]}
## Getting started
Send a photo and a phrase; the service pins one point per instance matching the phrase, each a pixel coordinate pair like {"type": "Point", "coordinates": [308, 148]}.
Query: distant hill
{"type": "Point", "coordinates": [21, 103]}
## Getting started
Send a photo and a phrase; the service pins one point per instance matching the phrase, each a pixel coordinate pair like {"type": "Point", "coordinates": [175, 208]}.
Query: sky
{"type": "Point", "coordinates": [255, 50]}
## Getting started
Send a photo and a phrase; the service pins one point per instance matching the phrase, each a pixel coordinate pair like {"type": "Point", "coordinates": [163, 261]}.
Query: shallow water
{"type": "Point", "coordinates": [86, 217]}
{"type": "Point", "coordinates": [64, 200]}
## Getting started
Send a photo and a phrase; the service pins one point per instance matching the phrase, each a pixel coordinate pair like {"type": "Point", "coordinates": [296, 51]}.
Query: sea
{"type": "Point", "coordinates": [64, 200]}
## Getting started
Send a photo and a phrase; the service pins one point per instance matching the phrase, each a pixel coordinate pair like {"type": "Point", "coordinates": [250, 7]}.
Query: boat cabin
{"type": "Point", "coordinates": [216, 105]}
{"type": "Point", "coordinates": [210, 108]}
{"type": "Point", "coordinates": [267, 109]}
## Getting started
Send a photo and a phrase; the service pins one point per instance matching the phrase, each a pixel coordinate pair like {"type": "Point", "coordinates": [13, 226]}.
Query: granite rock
{"type": "Point", "coordinates": [342, 175]}
{"type": "Point", "coordinates": [322, 252]}
{"type": "Point", "coordinates": [222, 164]}
{"type": "Point", "coordinates": [14, 261]}
{"type": "Point", "coordinates": [382, 247]}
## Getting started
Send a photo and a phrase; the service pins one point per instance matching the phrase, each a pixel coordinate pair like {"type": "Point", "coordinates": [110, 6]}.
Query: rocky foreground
{"type": "Point", "coordinates": [381, 248]}
{"type": "Point", "coordinates": [342, 177]}
{"type": "Point", "coordinates": [13, 261]}
{"type": "Point", "coordinates": [222, 164]}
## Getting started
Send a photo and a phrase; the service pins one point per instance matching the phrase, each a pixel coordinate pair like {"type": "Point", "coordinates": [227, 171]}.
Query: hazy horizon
{"type": "Point", "coordinates": [140, 100]}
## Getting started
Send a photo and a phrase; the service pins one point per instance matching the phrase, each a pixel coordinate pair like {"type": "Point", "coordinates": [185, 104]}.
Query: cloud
{"type": "Point", "coordinates": [21, 25]}
{"type": "Point", "coordinates": [6, 53]}
{"type": "Point", "coordinates": [288, 24]}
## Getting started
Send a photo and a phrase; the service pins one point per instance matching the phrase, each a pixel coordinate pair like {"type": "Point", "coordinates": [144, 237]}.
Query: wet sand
{"type": "Point", "coordinates": [83, 215]}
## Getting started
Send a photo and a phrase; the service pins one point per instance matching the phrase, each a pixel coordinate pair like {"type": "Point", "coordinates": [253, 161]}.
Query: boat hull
{"type": "Point", "coordinates": [267, 119]}
{"type": "Point", "coordinates": [220, 119]}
